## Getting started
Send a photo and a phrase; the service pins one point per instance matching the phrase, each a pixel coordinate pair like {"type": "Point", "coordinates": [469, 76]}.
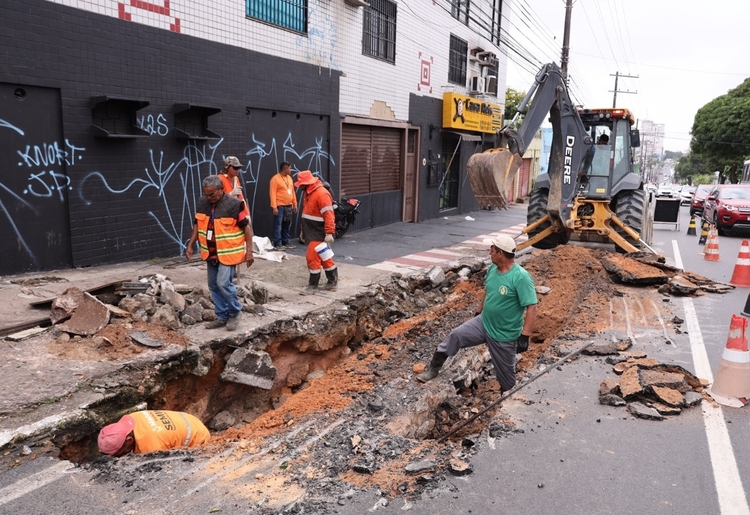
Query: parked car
{"type": "Point", "coordinates": [728, 206]}
{"type": "Point", "coordinates": [686, 195]}
{"type": "Point", "coordinates": [696, 205]}
{"type": "Point", "coordinates": [665, 190]}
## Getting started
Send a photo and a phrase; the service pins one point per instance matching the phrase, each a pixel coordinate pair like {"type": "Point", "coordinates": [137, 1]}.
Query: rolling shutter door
{"type": "Point", "coordinates": [386, 160]}
{"type": "Point", "coordinates": [355, 159]}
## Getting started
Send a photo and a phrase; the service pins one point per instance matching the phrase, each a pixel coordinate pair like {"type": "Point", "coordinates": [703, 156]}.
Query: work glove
{"type": "Point", "coordinates": [329, 239]}
{"type": "Point", "coordinates": [522, 343]}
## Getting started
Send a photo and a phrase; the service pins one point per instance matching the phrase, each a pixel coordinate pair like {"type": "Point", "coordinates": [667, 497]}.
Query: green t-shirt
{"type": "Point", "coordinates": [506, 297]}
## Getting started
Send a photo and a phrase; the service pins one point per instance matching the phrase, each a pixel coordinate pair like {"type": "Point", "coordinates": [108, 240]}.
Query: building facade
{"type": "Point", "coordinates": [112, 112]}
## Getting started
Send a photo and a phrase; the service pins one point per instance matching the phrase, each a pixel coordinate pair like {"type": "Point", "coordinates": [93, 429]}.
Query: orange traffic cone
{"type": "Point", "coordinates": [711, 250]}
{"type": "Point", "coordinates": [731, 385]}
{"type": "Point", "coordinates": [741, 274]}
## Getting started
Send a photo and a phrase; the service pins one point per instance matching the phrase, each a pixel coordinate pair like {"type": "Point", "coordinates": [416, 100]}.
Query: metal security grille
{"type": "Point", "coordinates": [457, 61]}
{"type": "Point", "coordinates": [460, 10]}
{"type": "Point", "coordinates": [370, 159]}
{"type": "Point", "coordinates": [290, 14]}
{"type": "Point", "coordinates": [379, 30]}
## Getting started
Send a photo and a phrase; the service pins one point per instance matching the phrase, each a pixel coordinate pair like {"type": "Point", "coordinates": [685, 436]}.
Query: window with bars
{"type": "Point", "coordinates": [497, 11]}
{"type": "Point", "coordinates": [288, 14]}
{"type": "Point", "coordinates": [379, 30]}
{"type": "Point", "coordinates": [460, 10]}
{"type": "Point", "coordinates": [457, 61]}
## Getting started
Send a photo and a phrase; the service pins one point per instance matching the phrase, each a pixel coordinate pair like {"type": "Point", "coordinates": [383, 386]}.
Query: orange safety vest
{"type": "Point", "coordinates": [161, 430]}
{"type": "Point", "coordinates": [230, 238]}
{"type": "Point", "coordinates": [229, 184]}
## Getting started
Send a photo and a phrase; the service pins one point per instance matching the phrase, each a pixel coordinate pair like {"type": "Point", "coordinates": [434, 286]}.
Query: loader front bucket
{"type": "Point", "coordinates": [491, 174]}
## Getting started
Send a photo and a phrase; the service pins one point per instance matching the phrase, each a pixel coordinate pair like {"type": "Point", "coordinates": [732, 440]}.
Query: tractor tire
{"type": "Point", "coordinates": [537, 209]}
{"type": "Point", "coordinates": [631, 209]}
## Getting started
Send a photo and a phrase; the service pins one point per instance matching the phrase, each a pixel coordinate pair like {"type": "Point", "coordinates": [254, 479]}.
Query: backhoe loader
{"type": "Point", "coordinates": [590, 191]}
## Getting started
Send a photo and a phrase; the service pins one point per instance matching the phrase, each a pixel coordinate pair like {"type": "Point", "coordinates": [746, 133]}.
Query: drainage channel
{"type": "Point", "coordinates": [294, 367]}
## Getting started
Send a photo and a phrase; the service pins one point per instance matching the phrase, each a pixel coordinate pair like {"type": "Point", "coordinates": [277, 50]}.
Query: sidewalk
{"type": "Point", "coordinates": [51, 388]}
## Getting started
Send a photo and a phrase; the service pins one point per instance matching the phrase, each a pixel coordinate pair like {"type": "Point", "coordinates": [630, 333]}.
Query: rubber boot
{"type": "Point", "coordinates": [333, 279]}
{"type": "Point", "coordinates": [431, 373]}
{"type": "Point", "coordinates": [312, 284]}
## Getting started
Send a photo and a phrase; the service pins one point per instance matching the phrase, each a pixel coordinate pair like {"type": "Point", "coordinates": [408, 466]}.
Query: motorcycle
{"type": "Point", "coordinates": [345, 212]}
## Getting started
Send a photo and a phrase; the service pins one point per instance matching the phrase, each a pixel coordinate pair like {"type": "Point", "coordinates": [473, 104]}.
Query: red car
{"type": "Point", "coordinates": [728, 206]}
{"type": "Point", "coordinates": [696, 205]}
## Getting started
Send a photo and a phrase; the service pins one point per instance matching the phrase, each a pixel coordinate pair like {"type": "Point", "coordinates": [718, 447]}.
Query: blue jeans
{"type": "Point", "coordinates": [280, 227]}
{"type": "Point", "coordinates": [223, 291]}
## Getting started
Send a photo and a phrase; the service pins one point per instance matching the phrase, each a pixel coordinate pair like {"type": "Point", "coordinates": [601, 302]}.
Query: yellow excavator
{"type": "Point", "coordinates": [590, 191]}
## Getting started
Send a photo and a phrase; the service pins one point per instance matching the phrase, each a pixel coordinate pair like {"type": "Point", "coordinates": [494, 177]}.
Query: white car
{"type": "Point", "coordinates": [665, 190]}
{"type": "Point", "coordinates": [686, 195]}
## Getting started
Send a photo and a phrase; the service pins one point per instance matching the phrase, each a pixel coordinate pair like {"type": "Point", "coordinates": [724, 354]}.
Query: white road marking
{"type": "Point", "coordinates": [34, 482]}
{"type": "Point", "coordinates": [732, 500]}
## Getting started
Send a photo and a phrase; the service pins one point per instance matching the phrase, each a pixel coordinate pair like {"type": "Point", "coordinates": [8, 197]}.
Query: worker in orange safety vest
{"type": "Point", "coordinates": [150, 431]}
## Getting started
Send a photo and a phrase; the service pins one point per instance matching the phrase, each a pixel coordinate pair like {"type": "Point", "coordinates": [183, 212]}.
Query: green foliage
{"type": "Point", "coordinates": [721, 132]}
{"type": "Point", "coordinates": [702, 178]}
{"type": "Point", "coordinates": [512, 99]}
{"type": "Point", "coordinates": [669, 154]}
{"type": "Point", "coordinates": [690, 165]}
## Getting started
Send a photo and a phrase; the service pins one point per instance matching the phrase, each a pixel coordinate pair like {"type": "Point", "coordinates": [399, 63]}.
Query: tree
{"type": "Point", "coordinates": [691, 165]}
{"type": "Point", "coordinates": [668, 154]}
{"type": "Point", "coordinates": [720, 133]}
{"type": "Point", "coordinates": [512, 99]}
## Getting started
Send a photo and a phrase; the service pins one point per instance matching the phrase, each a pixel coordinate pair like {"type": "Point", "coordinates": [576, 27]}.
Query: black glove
{"type": "Point", "coordinates": [522, 343]}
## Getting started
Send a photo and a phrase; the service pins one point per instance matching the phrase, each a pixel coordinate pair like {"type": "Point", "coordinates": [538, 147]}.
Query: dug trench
{"type": "Point", "coordinates": [344, 410]}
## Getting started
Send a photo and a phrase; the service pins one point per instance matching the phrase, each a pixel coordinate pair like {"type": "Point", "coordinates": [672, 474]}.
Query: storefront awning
{"type": "Point", "coordinates": [466, 137]}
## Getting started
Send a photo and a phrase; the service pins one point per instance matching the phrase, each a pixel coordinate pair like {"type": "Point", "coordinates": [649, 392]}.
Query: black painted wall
{"type": "Point", "coordinates": [133, 199]}
{"type": "Point", "coordinates": [427, 112]}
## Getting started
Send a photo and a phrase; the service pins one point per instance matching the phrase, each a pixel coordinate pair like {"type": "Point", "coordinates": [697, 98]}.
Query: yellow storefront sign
{"type": "Point", "coordinates": [469, 114]}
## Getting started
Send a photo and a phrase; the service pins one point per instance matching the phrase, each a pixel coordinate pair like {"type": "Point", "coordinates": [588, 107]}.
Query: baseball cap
{"type": "Point", "coordinates": [304, 178]}
{"type": "Point", "coordinates": [112, 437]}
{"type": "Point", "coordinates": [232, 161]}
{"type": "Point", "coordinates": [503, 242]}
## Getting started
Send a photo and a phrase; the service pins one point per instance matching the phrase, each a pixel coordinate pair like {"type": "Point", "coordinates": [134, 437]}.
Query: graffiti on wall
{"type": "Point", "coordinates": [167, 187]}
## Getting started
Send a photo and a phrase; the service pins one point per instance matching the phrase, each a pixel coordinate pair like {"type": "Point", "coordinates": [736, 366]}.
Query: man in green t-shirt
{"type": "Point", "coordinates": [503, 321]}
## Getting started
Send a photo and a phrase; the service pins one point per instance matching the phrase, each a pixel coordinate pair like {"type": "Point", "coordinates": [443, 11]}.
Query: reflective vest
{"type": "Point", "coordinates": [229, 237]}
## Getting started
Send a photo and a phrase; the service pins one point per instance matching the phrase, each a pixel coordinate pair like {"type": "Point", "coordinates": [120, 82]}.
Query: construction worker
{"type": "Point", "coordinates": [283, 204]}
{"type": "Point", "coordinates": [318, 226]}
{"type": "Point", "coordinates": [230, 179]}
{"type": "Point", "coordinates": [225, 237]}
{"type": "Point", "coordinates": [503, 321]}
{"type": "Point", "coordinates": [150, 431]}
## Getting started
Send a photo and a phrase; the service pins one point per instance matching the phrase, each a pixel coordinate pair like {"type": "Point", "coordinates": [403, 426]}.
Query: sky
{"type": "Point", "coordinates": [684, 53]}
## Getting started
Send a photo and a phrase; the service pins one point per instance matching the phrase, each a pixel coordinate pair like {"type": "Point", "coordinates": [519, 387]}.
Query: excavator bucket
{"type": "Point", "coordinates": [491, 174]}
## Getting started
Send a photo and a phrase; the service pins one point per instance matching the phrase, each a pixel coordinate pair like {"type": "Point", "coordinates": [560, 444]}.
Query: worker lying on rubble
{"type": "Point", "coordinates": [149, 431]}
{"type": "Point", "coordinates": [503, 321]}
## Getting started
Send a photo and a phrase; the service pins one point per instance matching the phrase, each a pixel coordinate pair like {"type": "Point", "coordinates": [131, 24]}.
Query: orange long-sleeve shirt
{"type": "Point", "coordinates": [282, 191]}
{"type": "Point", "coordinates": [160, 430]}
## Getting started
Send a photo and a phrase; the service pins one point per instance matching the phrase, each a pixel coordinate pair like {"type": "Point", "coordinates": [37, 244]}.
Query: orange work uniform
{"type": "Point", "coordinates": [318, 220]}
{"type": "Point", "coordinates": [230, 183]}
{"type": "Point", "coordinates": [160, 430]}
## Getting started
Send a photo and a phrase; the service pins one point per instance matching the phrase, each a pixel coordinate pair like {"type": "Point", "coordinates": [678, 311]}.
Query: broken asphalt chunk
{"type": "Point", "coordinates": [459, 467]}
{"type": "Point", "coordinates": [641, 411]}
{"type": "Point", "coordinates": [251, 367]}
{"type": "Point", "coordinates": [420, 467]}
{"type": "Point", "coordinates": [633, 272]}
{"type": "Point", "coordinates": [88, 315]}
{"type": "Point", "coordinates": [146, 339]}
{"type": "Point", "coordinates": [611, 400]}
{"type": "Point", "coordinates": [668, 396]}
{"type": "Point", "coordinates": [658, 378]}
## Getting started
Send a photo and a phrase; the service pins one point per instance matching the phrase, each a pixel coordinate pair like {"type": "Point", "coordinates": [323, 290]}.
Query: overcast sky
{"type": "Point", "coordinates": [684, 52]}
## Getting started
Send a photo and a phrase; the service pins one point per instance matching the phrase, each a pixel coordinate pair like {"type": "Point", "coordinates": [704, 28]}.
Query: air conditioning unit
{"type": "Point", "coordinates": [486, 59]}
{"type": "Point", "coordinates": [476, 85]}
{"type": "Point", "coordinates": [491, 83]}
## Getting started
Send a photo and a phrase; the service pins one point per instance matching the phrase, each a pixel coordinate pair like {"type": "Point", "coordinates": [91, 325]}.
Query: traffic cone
{"type": "Point", "coordinates": [741, 274]}
{"type": "Point", "coordinates": [704, 233]}
{"type": "Point", "coordinates": [711, 250]}
{"type": "Point", "coordinates": [731, 386]}
{"type": "Point", "coordinates": [691, 226]}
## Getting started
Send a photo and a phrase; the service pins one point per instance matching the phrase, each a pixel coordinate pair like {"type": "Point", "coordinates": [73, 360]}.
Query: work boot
{"type": "Point", "coordinates": [312, 284]}
{"type": "Point", "coordinates": [232, 323]}
{"type": "Point", "coordinates": [215, 324]}
{"type": "Point", "coordinates": [333, 279]}
{"type": "Point", "coordinates": [431, 373]}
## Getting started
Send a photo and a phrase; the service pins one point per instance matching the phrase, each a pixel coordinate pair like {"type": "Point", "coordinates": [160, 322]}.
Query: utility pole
{"type": "Point", "coordinates": [566, 41]}
{"type": "Point", "coordinates": [617, 75]}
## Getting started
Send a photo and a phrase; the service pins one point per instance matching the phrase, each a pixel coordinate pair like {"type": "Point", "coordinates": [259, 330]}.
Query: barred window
{"type": "Point", "coordinates": [497, 10]}
{"type": "Point", "coordinates": [288, 14]}
{"type": "Point", "coordinates": [379, 30]}
{"type": "Point", "coordinates": [460, 10]}
{"type": "Point", "coordinates": [457, 61]}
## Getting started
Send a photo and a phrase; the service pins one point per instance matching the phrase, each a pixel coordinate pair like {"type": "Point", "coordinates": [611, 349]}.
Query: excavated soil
{"type": "Point", "coordinates": [359, 406]}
